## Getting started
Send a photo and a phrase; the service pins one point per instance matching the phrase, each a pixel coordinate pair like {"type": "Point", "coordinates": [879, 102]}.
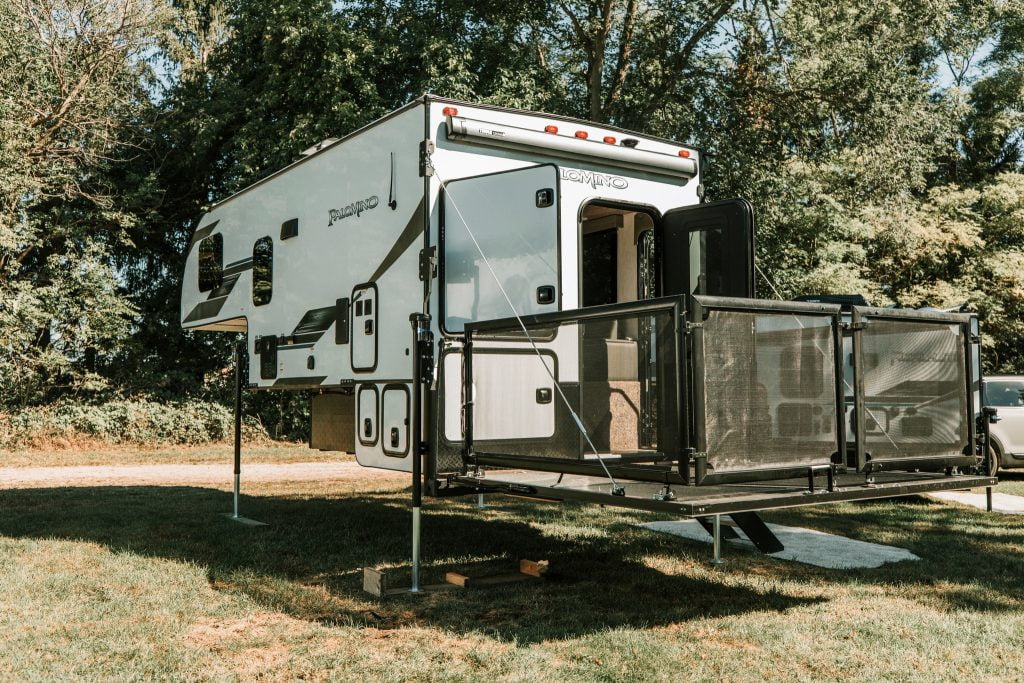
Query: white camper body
{"type": "Point", "coordinates": [503, 290]}
{"type": "Point", "coordinates": [336, 239]}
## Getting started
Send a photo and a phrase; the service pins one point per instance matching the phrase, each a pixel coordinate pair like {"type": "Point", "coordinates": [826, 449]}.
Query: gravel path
{"type": "Point", "coordinates": [90, 475]}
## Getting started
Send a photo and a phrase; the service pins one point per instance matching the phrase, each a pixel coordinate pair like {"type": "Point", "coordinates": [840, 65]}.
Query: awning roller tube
{"type": "Point", "coordinates": [483, 132]}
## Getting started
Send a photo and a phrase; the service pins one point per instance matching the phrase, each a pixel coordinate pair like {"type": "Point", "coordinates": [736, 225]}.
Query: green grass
{"type": "Point", "coordinates": [151, 582]}
{"type": "Point", "coordinates": [1012, 482]}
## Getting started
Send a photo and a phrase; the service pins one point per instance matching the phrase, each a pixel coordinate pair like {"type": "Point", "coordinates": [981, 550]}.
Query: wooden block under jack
{"type": "Point", "coordinates": [375, 583]}
{"type": "Point", "coordinates": [528, 569]}
{"type": "Point", "coordinates": [457, 579]}
{"type": "Point", "coordinates": [533, 568]}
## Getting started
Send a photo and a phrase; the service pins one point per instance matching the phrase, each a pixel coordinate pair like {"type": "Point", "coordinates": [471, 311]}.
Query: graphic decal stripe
{"type": "Point", "coordinates": [315, 320]}
{"type": "Point", "coordinates": [206, 309]}
{"type": "Point", "coordinates": [410, 235]}
{"type": "Point", "coordinates": [201, 234]}
{"type": "Point", "coordinates": [238, 266]}
{"type": "Point", "coordinates": [287, 347]}
{"type": "Point", "coordinates": [218, 297]}
{"type": "Point", "coordinates": [299, 381]}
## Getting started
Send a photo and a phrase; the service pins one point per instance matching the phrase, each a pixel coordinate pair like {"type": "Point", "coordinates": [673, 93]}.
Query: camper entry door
{"type": "Point", "coordinates": [500, 259]}
{"type": "Point", "coordinates": [708, 249]}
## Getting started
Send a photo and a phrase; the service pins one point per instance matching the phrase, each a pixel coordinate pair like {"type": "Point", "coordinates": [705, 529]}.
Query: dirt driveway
{"type": "Point", "coordinates": [220, 474]}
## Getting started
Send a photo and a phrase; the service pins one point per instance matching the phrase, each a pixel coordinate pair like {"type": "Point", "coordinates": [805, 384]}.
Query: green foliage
{"type": "Point", "coordinates": [71, 85]}
{"type": "Point", "coordinates": [138, 422]}
{"type": "Point", "coordinates": [881, 145]}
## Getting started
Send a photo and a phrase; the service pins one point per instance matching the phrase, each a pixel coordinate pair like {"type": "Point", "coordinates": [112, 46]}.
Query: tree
{"type": "Point", "coordinates": [71, 91]}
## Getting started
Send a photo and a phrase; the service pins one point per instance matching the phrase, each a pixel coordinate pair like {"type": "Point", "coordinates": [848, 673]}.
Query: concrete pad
{"type": "Point", "coordinates": [801, 545]}
{"type": "Point", "coordinates": [1001, 502]}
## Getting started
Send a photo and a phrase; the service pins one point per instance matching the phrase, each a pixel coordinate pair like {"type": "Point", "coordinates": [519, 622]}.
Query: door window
{"type": "Point", "coordinates": [720, 237]}
{"type": "Point", "coordinates": [510, 218]}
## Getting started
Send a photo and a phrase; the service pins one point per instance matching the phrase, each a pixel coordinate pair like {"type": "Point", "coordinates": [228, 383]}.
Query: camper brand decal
{"type": "Point", "coordinates": [353, 209]}
{"type": "Point", "coordinates": [595, 180]}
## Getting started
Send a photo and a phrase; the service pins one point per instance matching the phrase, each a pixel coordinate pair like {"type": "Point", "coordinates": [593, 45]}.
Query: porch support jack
{"type": "Point", "coordinates": [240, 359]}
{"type": "Point", "coordinates": [716, 540]}
{"type": "Point", "coordinates": [751, 524]}
{"type": "Point", "coordinates": [422, 369]}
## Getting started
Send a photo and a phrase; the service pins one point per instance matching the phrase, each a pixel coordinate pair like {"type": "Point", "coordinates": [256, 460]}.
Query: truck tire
{"type": "Point", "coordinates": [995, 458]}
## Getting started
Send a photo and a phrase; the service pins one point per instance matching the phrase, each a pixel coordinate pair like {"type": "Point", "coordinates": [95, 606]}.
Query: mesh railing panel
{"type": "Point", "coordinates": [769, 398]}
{"type": "Point", "coordinates": [618, 374]}
{"type": "Point", "coordinates": [915, 389]}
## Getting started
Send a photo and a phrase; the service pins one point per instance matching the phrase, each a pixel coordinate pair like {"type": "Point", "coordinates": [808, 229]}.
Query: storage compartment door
{"type": "Point", "coordinates": [395, 420]}
{"type": "Point", "coordinates": [366, 419]}
{"type": "Point", "coordinates": [513, 218]}
{"type": "Point", "coordinates": [514, 396]}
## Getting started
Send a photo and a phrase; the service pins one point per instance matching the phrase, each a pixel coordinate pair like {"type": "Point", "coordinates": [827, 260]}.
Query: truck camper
{"type": "Point", "coordinates": [508, 301]}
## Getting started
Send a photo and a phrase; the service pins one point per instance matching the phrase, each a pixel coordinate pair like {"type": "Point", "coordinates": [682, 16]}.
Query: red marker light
{"type": "Point", "coordinates": [551, 129]}
{"type": "Point", "coordinates": [450, 111]}
{"type": "Point", "coordinates": [581, 134]}
{"type": "Point", "coordinates": [609, 140]}
{"type": "Point", "coordinates": [684, 153]}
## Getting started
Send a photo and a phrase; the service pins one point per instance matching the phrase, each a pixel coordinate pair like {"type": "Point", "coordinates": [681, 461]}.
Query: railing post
{"type": "Point", "coordinates": [467, 399]}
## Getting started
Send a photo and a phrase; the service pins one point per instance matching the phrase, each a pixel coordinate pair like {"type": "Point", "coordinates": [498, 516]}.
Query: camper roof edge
{"type": "Point", "coordinates": [426, 99]}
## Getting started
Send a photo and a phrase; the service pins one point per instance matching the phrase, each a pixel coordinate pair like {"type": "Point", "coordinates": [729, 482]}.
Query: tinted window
{"type": "Point", "coordinates": [1005, 394]}
{"type": "Point", "coordinates": [262, 271]}
{"type": "Point", "coordinates": [211, 262]}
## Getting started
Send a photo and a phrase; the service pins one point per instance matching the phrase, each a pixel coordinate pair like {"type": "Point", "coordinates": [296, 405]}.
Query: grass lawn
{"type": "Point", "coordinates": [151, 582]}
{"type": "Point", "coordinates": [1012, 482]}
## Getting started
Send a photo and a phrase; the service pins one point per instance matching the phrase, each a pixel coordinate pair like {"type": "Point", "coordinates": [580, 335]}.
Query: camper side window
{"type": "Point", "coordinates": [211, 262]}
{"type": "Point", "coordinates": [262, 271]}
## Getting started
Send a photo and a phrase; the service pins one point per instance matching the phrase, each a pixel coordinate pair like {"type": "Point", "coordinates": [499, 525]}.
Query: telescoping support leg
{"type": "Point", "coordinates": [240, 360]}
{"type": "Point", "coordinates": [716, 540]}
{"type": "Point", "coordinates": [422, 367]}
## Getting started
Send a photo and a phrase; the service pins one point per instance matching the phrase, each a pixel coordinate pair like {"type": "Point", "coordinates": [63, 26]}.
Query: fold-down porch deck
{"type": "Point", "coordinates": [696, 501]}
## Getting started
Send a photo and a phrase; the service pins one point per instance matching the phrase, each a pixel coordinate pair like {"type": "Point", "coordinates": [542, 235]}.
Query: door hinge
{"type": "Point", "coordinates": [690, 327]}
{"type": "Point", "coordinates": [854, 326]}
{"type": "Point", "coordinates": [428, 263]}
{"type": "Point", "coordinates": [426, 167]}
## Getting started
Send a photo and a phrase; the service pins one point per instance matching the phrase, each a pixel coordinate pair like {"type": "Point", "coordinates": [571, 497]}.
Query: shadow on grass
{"type": "Point", "coordinates": [307, 562]}
{"type": "Point", "coordinates": [970, 559]}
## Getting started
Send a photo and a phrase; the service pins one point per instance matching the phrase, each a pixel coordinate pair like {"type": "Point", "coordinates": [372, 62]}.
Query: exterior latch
{"type": "Point", "coordinates": [426, 149]}
{"type": "Point", "coordinates": [854, 326]}
{"type": "Point", "coordinates": [690, 327]}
